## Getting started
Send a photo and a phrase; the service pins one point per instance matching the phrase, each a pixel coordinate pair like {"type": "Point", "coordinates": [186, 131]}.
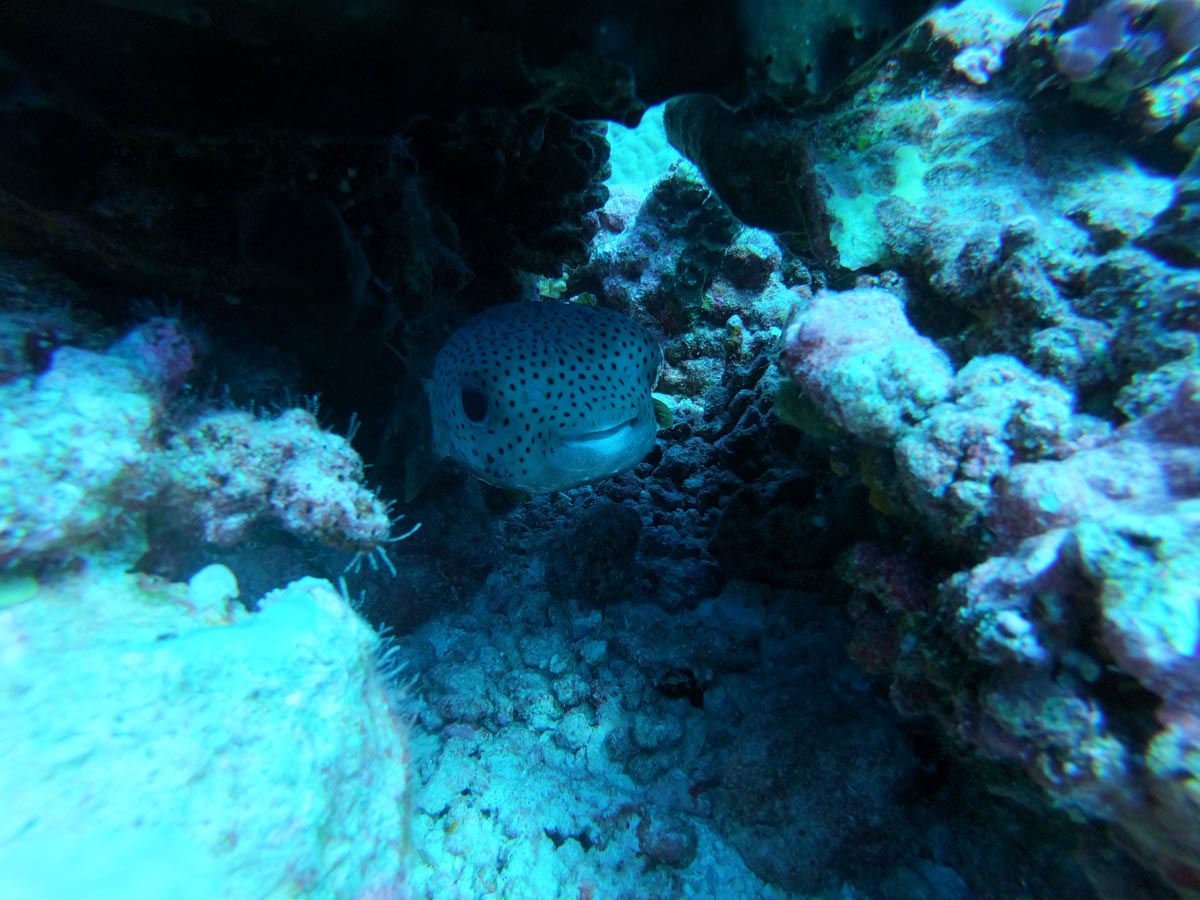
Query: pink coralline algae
{"type": "Point", "coordinates": [232, 468]}
{"type": "Point", "coordinates": [82, 451]}
{"type": "Point", "coordinates": [1069, 645]}
{"type": "Point", "coordinates": [1092, 631]}
{"type": "Point", "coordinates": [1000, 415]}
{"type": "Point", "coordinates": [1073, 650]}
{"type": "Point", "coordinates": [855, 354]}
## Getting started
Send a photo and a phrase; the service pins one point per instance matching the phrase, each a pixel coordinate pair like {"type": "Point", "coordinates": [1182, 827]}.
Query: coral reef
{"type": "Point", "coordinates": [1071, 649]}
{"type": "Point", "coordinates": [856, 356]}
{"type": "Point", "coordinates": [83, 447]}
{"type": "Point", "coordinates": [1093, 632]}
{"type": "Point", "coordinates": [680, 260]}
{"type": "Point", "coordinates": [1000, 415]}
{"type": "Point", "coordinates": [1022, 396]}
{"type": "Point", "coordinates": [77, 441]}
{"type": "Point", "coordinates": [229, 469]}
{"type": "Point", "coordinates": [662, 259]}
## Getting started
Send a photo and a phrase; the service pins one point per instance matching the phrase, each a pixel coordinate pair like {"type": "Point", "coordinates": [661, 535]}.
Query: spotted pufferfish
{"type": "Point", "coordinates": [541, 396]}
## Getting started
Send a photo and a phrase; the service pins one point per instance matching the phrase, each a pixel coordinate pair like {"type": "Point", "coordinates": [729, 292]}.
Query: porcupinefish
{"type": "Point", "coordinates": [540, 396]}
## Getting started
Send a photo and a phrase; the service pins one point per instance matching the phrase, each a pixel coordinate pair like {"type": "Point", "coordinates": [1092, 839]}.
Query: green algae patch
{"type": "Point", "coordinates": [16, 589]}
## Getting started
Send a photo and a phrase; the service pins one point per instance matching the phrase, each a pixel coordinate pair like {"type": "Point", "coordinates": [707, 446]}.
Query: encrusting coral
{"type": "Point", "coordinates": [1070, 648]}
{"type": "Point", "coordinates": [82, 446]}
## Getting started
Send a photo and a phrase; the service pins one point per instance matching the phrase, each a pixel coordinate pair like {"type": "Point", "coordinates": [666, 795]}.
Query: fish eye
{"type": "Point", "coordinates": [474, 404]}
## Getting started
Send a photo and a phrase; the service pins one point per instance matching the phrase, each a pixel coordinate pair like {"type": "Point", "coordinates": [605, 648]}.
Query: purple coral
{"type": "Point", "coordinates": [1135, 56]}
{"type": "Point", "coordinates": [1180, 20]}
{"type": "Point", "coordinates": [160, 352]}
{"type": "Point", "coordinates": [1083, 50]}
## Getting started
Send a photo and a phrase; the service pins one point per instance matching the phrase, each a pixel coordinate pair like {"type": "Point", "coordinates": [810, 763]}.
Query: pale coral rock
{"type": "Point", "coordinates": [857, 357]}
{"type": "Point", "coordinates": [979, 64]}
{"type": "Point", "coordinates": [1147, 465]}
{"type": "Point", "coordinates": [232, 468]}
{"type": "Point", "coordinates": [75, 445]}
{"type": "Point", "coordinates": [1001, 414]}
{"type": "Point", "coordinates": [212, 586]}
{"type": "Point", "coordinates": [1145, 567]}
{"type": "Point", "coordinates": [1111, 601]}
{"type": "Point", "coordinates": [159, 747]}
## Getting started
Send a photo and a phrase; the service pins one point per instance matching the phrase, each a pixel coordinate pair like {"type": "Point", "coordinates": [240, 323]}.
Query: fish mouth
{"type": "Point", "coordinates": [600, 436]}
